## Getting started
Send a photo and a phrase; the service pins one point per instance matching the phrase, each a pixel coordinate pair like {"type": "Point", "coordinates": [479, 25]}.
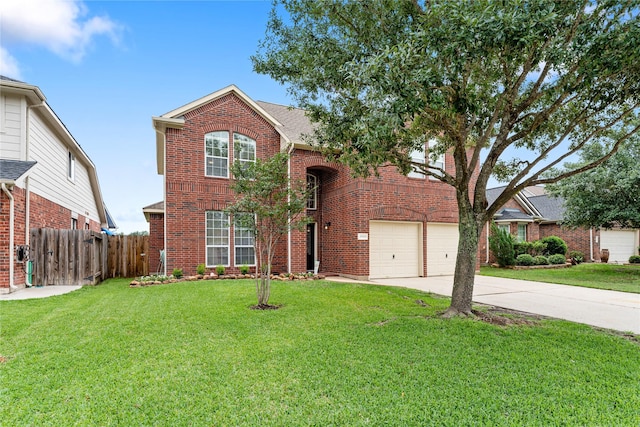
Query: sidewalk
{"type": "Point", "coordinates": [38, 292]}
{"type": "Point", "coordinates": [605, 309]}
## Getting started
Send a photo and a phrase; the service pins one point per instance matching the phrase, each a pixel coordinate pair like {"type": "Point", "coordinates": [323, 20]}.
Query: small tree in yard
{"type": "Point", "coordinates": [510, 89]}
{"type": "Point", "coordinates": [269, 205]}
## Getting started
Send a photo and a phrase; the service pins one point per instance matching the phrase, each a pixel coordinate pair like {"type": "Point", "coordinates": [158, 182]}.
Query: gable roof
{"type": "Point", "coordinates": [10, 170]}
{"type": "Point", "coordinates": [34, 97]}
{"type": "Point", "coordinates": [291, 123]}
{"type": "Point", "coordinates": [157, 207]}
{"type": "Point", "coordinates": [535, 201]}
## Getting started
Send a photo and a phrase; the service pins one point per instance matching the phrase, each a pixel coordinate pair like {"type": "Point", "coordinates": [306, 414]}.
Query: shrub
{"type": "Point", "coordinates": [576, 256]}
{"type": "Point", "coordinates": [555, 245]}
{"type": "Point", "coordinates": [220, 270]}
{"type": "Point", "coordinates": [557, 259]}
{"type": "Point", "coordinates": [200, 269]}
{"type": "Point", "coordinates": [177, 273]}
{"type": "Point", "coordinates": [634, 259]}
{"type": "Point", "coordinates": [541, 260]}
{"type": "Point", "coordinates": [244, 269]}
{"type": "Point", "coordinates": [524, 259]}
{"type": "Point", "coordinates": [501, 244]}
{"type": "Point", "coordinates": [532, 248]}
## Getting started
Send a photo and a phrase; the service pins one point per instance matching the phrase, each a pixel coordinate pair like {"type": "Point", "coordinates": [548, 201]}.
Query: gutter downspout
{"type": "Point", "coordinates": [487, 242]}
{"type": "Point", "coordinates": [289, 152]}
{"type": "Point", "coordinates": [591, 243]}
{"type": "Point", "coordinates": [11, 237]}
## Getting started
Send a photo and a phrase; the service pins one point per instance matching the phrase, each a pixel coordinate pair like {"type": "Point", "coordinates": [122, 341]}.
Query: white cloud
{"type": "Point", "coordinates": [8, 65]}
{"type": "Point", "coordinates": [62, 26]}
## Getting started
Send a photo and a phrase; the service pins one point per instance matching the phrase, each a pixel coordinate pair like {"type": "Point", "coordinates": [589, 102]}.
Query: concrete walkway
{"type": "Point", "coordinates": [606, 309]}
{"type": "Point", "coordinates": [38, 292]}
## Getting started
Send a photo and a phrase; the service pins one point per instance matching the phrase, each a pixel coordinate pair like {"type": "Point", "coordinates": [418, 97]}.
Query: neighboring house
{"type": "Point", "coordinates": [386, 226]}
{"type": "Point", "coordinates": [533, 214]}
{"type": "Point", "coordinates": [46, 179]}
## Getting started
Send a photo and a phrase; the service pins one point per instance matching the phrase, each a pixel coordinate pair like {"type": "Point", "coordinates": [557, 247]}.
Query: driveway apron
{"type": "Point", "coordinates": [605, 309]}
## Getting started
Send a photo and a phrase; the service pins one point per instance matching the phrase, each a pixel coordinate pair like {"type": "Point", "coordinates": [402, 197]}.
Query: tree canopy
{"type": "Point", "coordinates": [606, 196]}
{"type": "Point", "coordinates": [511, 89]}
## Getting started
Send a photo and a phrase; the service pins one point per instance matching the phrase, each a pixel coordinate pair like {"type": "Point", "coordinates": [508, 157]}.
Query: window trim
{"type": "Point", "coordinates": [518, 239]}
{"type": "Point", "coordinates": [440, 162]}
{"type": "Point", "coordinates": [213, 245]}
{"type": "Point", "coordinates": [418, 156]}
{"type": "Point", "coordinates": [236, 228]}
{"type": "Point", "coordinates": [236, 143]}
{"type": "Point", "coordinates": [314, 193]}
{"type": "Point", "coordinates": [207, 156]}
{"type": "Point", "coordinates": [71, 166]}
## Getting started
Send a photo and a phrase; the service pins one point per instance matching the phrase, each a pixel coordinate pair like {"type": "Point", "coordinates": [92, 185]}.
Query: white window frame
{"type": "Point", "coordinates": [518, 237]}
{"type": "Point", "coordinates": [215, 217]}
{"type": "Point", "coordinates": [71, 166]}
{"type": "Point", "coordinates": [245, 240]}
{"type": "Point", "coordinates": [240, 142]}
{"type": "Point", "coordinates": [312, 200]}
{"type": "Point", "coordinates": [418, 156]}
{"type": "Point", "coordinates": [504, 226]}
{"type": "Point", "coordinates": [74, 223]}
{"type": "Point", "coordinates": [210, 139]}
{"type": "Point", "coordinates": [439, 162]}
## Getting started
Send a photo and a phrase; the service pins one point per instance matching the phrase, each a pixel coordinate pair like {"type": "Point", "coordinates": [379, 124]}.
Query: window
{"type": "Point", "coordinates": [522, 233]}
{"type": "Point", "coordinates": [437, 162]}
{"type": "Point", "coordinates": [244, 149]}
{"type": "Point", "coordinates": [417, 156]}
{"type": "Point", "coordinates": [217, 154]}
{"type": "Point", "coordinates": [312, 185]}
{"type": "Point", "coordinates": [243, 240]}
{"type": "Point", "coordinates": [74, 223]}
{"type": "Point", "coordinates": [504, 227]}
{"type": "Point", "coordinates": [217, 238]}
{"type": "Point", "coordinates": [71, 166]}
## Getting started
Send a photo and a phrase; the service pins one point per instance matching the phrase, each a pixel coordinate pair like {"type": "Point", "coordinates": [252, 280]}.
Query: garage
{"type": "Point", "coordinates": [442, 248]}
{"type": "Point", "coordinates": [621, 244]}
{"type": "Point", "coordinates": [395, 249]}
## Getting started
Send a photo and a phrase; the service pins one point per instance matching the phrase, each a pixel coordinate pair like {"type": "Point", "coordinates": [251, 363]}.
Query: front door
{"type": "Point", "coordinates": [311, 246]}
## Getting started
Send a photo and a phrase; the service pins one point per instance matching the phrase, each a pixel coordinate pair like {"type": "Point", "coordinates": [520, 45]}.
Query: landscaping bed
{"type": "Point", "coordinates": [161, 280]}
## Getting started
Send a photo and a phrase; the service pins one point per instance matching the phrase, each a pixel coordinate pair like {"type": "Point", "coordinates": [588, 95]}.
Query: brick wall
{"type": "Point", "coordinates": [156, 241]}
{"type": "Point", "coordinates": [576, 239]}
{"type": "Point", "coordinates": [43, 214]}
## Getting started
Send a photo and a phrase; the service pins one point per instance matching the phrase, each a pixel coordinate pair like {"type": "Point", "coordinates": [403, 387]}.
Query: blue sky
{"type": "Point", "coordinates": [107, 67]}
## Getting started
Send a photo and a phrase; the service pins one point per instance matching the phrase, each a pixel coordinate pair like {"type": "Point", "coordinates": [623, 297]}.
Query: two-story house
{"type": "Point", "coordinates": [387, 226]}
{"type": "Point", "coordinates": [46, 179]}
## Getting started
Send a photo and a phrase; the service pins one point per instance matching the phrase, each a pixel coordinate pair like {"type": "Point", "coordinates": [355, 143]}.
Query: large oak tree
{"type": "Point", "coordinates": [510, 88]}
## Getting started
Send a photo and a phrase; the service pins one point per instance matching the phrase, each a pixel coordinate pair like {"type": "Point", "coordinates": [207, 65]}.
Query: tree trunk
{"type": "Point", "coordinates": [469, 228]}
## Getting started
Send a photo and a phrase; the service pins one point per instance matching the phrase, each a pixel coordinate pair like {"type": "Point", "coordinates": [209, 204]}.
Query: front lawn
{"type": "Point", "coordinates": [194, 354]}
{"type": "Point", "coordinates": [625, 278]}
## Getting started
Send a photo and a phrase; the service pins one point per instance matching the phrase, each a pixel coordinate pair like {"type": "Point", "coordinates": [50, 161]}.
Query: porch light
{"type": "Point", "coordinates": [327, 225]}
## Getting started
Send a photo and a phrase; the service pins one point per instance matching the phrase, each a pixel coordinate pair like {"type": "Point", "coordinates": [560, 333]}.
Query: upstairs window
{"type": "Point", "coordinates": [437, 162]}
{"type": "Point", "coordinates": [217, 154]}
{"type": "Point", "coordinates": [71, 166]}
{"type": "Point", "coordinates": [417, 156]}
{"type": "Point", "coordinates": [312, 186]}
{"type": "Point", "coordinates": [244, 149]}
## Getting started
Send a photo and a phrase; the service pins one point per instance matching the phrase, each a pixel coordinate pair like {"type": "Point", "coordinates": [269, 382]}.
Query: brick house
{"type": "Point", "coordinates": [46, 179]}
{"type": "Point", "coordinates": [387, 226]}
{"type": "Point", "coordinates": [533, 214]}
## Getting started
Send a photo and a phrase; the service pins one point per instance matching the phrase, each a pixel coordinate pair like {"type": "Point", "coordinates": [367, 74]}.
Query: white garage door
{"type": "Point", "coordinates": [442, 248]}
{"type": "Point", "coordinates": [395, 249]}
{"type": "Point", "coordinates": [621, 244]}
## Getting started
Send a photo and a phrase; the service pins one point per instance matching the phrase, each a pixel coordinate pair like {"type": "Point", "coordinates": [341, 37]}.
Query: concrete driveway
{"type": "Point", "coordinates": [606, 309]}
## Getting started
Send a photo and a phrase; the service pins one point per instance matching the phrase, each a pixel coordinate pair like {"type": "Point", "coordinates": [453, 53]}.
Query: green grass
{"type": "Point", "coordinates": [335, 354]}
{"type": "Point", "coordinates": [625, 278]}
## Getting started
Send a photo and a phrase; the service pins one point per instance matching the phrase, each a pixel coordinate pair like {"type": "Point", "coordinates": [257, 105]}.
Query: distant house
{"type": "Point", "coordinates": [387, 226]}
{"type": "Point", "coordinates": [46, 179]}
{"type": "Point", "coordinates": [533, 214]}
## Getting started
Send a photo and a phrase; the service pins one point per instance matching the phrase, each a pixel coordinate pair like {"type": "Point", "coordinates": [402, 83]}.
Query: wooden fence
{"type": "Point", "coordinates": [82, 257]}
{"type": "Point", "coordinates": [127, 256]}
